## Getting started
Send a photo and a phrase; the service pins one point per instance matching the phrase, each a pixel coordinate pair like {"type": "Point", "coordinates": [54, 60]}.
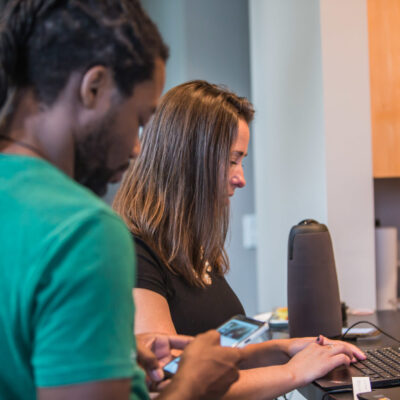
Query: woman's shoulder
{"type": "Point", "coordinates": [148, 261]}
{"type": "Point", "coordinates": [145, 254]}
{"type": "Point", "coordinates": [143, 248]}
{"type": "Point", "coordinates": [152, 274]}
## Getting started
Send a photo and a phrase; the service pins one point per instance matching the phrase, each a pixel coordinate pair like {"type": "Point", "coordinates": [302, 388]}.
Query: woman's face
{"type": "Point", "coordinates": [238, 153]}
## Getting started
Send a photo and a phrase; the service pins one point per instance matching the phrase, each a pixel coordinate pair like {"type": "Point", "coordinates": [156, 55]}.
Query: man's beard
{"type": "Point", "coordinates": [91, 158]}
{"type": "Point", "coordinates": [96, 180]}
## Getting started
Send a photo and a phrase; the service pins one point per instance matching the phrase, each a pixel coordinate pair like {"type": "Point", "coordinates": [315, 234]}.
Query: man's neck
{"type": "Point", "coordinates": [14, 146]}
{"type": "Point", "coordinates": [31, 129]}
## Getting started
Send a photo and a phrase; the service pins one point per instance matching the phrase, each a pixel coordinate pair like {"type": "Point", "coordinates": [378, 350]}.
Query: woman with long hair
{"type": "Point", "coordinates": [175, 200]}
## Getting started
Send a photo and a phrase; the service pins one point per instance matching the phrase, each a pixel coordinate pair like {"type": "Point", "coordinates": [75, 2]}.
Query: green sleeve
{"type": "Point", "coordinates": [82, 317]}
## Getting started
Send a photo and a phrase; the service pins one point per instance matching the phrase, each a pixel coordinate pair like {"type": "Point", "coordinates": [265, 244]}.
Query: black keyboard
{"type": "Point", "coordinates": [381, 364]}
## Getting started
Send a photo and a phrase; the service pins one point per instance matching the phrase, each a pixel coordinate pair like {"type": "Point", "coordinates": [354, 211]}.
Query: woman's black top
{"type": "Point", "coordinates": [193, 309]}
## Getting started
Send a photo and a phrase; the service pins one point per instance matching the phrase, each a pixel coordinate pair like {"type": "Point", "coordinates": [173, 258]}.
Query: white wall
{"type": "Point", "coordinates": [312, 146]}
{"type": "Point", "coordinates": [170, 17]}
{"type": "Point", "coordinates": [349, 175]}
{"type": "Point", "coordinates": [288, 144]}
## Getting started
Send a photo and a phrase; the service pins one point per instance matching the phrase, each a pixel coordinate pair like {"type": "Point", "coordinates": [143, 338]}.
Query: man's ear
{"type": "Point", "coordinates": [94, 84]}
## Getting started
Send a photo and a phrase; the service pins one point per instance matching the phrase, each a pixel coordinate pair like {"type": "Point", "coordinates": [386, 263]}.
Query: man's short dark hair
{"type": "Point", "coordinates": [42, 42]}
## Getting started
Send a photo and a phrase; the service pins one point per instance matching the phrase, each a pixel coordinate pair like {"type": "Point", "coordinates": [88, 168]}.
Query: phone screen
{"type": "Point", "coordinates": [172, 366]}
{"type": "Point", "coordinates": [235, 331]}
{"type": "Point", "coordinates": [232, 332]}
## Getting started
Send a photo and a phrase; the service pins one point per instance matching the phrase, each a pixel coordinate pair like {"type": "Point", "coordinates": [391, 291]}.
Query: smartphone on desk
{"type": "Point", "coordinates": [236, 332]}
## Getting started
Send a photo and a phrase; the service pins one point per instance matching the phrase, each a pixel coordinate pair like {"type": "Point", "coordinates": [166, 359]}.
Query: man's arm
{"type": "Point", "coordinates": [206, 371]}
{"type": "Point", "coordinates": [83, 314]}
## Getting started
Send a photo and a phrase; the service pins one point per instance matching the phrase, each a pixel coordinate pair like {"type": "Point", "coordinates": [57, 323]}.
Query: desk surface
{"type": "Point", "coordinates": [389, 321]}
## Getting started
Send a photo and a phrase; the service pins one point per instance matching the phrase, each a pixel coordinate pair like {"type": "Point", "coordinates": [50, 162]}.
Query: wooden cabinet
{"type": "Point", "coordinates": [384, 54]}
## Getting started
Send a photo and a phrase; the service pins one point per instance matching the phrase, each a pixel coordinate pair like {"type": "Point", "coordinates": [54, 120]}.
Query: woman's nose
{"type": "Point", "coordinates": [238, 179]}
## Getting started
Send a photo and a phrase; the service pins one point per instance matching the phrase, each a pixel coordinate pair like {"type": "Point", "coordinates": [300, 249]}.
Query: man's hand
{"type": "Point", "coordinates": [206, 370]}
{"type": "Point", "coordinates": [154, 351]}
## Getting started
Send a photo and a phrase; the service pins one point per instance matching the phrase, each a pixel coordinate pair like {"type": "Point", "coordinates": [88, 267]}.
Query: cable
{"type": "Point", "coordinates": [370, 323]}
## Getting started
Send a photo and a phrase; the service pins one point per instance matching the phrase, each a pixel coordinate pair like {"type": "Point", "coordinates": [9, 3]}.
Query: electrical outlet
{"type": "Point", "coordinates": [249, 224]}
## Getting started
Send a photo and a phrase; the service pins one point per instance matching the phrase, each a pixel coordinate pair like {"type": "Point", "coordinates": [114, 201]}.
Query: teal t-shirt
{"type": "Point", "coordinates": [66, 279]}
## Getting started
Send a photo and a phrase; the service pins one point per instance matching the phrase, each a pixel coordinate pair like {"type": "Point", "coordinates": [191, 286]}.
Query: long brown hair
{"type": "Point", "coordinates": [174, 196]}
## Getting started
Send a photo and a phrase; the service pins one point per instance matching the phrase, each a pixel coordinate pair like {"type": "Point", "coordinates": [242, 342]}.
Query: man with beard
{"type": "Point", "coordinates": [77, 80]}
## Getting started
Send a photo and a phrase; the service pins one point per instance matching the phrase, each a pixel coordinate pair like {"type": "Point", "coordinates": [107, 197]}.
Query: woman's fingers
{"type": "Point", "coordinates": [353, 351]}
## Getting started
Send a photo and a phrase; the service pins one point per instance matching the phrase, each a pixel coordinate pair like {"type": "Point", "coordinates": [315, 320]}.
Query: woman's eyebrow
{"type": "Point", "coordinates": [238, 153]}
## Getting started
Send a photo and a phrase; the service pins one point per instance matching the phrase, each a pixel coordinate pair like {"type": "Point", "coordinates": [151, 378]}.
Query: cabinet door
{"type": "Point", "coordinates": [384, 54]}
